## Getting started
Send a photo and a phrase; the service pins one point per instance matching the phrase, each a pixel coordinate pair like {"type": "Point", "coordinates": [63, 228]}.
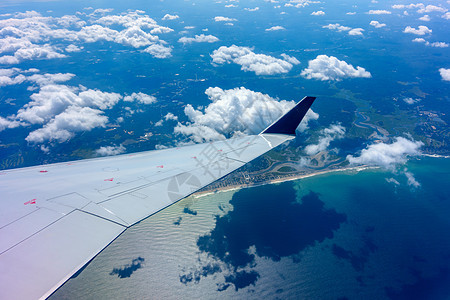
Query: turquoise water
{"type": "Point", "coordinates": [341, 235]}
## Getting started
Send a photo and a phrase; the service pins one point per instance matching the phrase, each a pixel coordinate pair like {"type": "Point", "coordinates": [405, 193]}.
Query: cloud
{"type": "Point", "coordinates": [411, 100]}
{"type": "Point", "coordinates": [11, 77]}
{"type": "Point", "coordinates": [437, 44]}
{"type": "Point", "coordinates": [431, 8]}
{"type": "Point", "coordinates": [224, 19]}
{"type": "Point", "coordinates": [419, 40]}
{"type": "Point", "coordinates": [170, 17]}
{"type": "Point", "coordinates": [5, 123]}
{"type": "Point", "coordinates": [318, 13]}
{"type": "Point", "coordinates": [233, 112]}
{"type": "Point", "coordinates": [261, 64]}
{"type": "Point", "coordinates": [275, 28]}
{"type": "Point", "coordinates": [73, 48]}
{"type": "Point", "coordinates": [356, 31]}
{"type": "Point", "coordinates": [21, 49]}
{"type": "Point", "coordinates": [351, 13]}
{"type": "Point", "coordinates": [47, 79]}
{"type": "Point", "coordinates": [298, 3]}
{"type": "Point", "coordinates": [52, 100]}
{"type": "Point", "coordinates": [411, 180]}
{"type": "Point", "coordinates": [408, 6]}
{"type": "Point", "coordinates": [159, 51]}
{"type": "Point", "coordinates": [425, 18]}
{"type": "Point", "coordinates": [445, 74]}
{"type": "Point", "coordinates": [377, 24]}
{"type": "Point", "coordinates": [434, 44]}
{"type": "Point", "coordinates": [327, 135]}
{"type": "Point", "coordinates": [17, 76]}
{"type": "Point", "coordinates": [422, 30]}
{"type": "Point", "coordinates": [252, 9]}
{"type": "Point", "coordinates": [392, 180]}
{"type": "Point", "coordinates": [60, 110]}
{"type": "Point", "coordinates": [63, 126]}
{"type": "Point", "coordinates": [31, 36]}
{"type": "Point", "coordinates": [325, 67]}
{"type": "Point", "coordinates": [379, 12]}
{"type": "Point", "coordinates": [141, 98]}
{"type": "Point", "coordinates": [338, 27]}
{"type": "Point", "coordinates": [446, 16]}
{"type": "Point", "coordinates": [198, 39]}
{"type": "Point", "coordinates": [110, 150]}
{"type": "Point", "coordinates": [387, 156]}
{"type": "Point", "coordinates": [290, 59]}
{"type": "Point", "coordinates": [170, 116]}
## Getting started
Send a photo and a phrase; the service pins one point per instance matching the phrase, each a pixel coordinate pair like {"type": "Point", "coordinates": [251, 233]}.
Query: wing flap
{"type": "Point", "coordinates": [53, 255]}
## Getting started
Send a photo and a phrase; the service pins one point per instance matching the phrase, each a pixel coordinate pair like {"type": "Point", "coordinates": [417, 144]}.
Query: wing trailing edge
{"type": "Point", "coordinates": [288, 122]}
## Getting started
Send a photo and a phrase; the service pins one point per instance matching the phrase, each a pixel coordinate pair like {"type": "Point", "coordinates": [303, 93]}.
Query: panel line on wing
{"type": "Point", "coordinates": [21, 217]}
{"type": "Point", "coordinates": [33, 234]}
{"type": "Point", "coordinates": [104, 218]}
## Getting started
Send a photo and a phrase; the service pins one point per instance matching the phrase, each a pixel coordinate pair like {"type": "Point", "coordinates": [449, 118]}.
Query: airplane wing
{"type": "Point", "coordinates": [55, 218]}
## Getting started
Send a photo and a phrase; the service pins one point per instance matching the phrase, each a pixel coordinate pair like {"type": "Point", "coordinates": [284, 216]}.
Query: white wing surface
{"type": "Point", "coordinates": [55, 218]}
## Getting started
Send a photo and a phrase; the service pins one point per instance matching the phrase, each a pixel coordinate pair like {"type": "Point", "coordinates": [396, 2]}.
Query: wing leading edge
{"type": "Point", "coordinates": [55, 218]}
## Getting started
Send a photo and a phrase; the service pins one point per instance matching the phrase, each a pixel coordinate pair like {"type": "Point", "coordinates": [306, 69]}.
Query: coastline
{"type": "Point", "coordinates": [280, 180]}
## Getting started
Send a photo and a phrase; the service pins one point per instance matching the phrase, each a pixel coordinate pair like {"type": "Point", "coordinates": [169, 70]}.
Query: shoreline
{"type": "Point", "coordinates": [287, 178]}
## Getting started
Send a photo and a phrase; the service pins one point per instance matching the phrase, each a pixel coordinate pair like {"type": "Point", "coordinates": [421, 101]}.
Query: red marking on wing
{"type": "Point", "coordinates": [109, 179]}
{"type": "Point", "coordinates": [43, 171]}
{"type": "Point", "coordinates": [220, 150]}
{"type": "Point", "coordinates": [161, 166]}
{"type": "Point", "coordinates": [194, 157]}
{"type": "Point", "coordinates": [32, 201]}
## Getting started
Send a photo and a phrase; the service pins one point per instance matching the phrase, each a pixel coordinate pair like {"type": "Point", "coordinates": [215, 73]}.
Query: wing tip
{"type": "Point", "coordinates": [288, 122]}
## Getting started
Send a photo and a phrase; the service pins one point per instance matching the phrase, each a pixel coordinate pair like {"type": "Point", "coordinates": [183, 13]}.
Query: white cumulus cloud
{"type": "Point", "coordinates": [338, 27]}
{"type": "Point", "coordinates": [73, 48]}
{"type": "Point", "coordinates": [159, 51]}
{"type": "Point", "coordinates": [110, 150]}
{"type": "Point", "coordinates": [325, 67]}
{"type": "Point", "coordinates": [140, 97]}
{"type": "Point", "coordinates": [261, 64]}
{"type": "Point", "coordinates": [202, 38]}
{"type": "Point", "coordinates": [422, 30]}
{"type": "Point", "coordinates": [425, 18]}
{"type": "Point", "coordinates": [170, 17]}
{"type": "Point", "coordinates": [275, 28]}
{"type": "Point", "coordinates": [64, 125]}
{"type": "Point", "coordinates": [388, 156]}
{"type": "Point", "coordinates": [431, 8]}
{"type": "Point", "coordinates": [327, 135]}
{"type": "Point", "coordinates": [233, 112]}
{"type": "Point", "coordinates": [356, 31]}
{"type": "Point", "coordinates": [223, 19]}
{"type": "Point", "coordinates": [377, 24]}
{"type": "Point", "coordinates": [318, 13]}
{"type": "Point", "coordinates": [445, 74]}
{"type": "Point", "coordinates": [379, 12]}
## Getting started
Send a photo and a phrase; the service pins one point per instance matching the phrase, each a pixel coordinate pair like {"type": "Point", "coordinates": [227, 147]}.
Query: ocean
{"type": "Point", "coordinates": [363, 234]}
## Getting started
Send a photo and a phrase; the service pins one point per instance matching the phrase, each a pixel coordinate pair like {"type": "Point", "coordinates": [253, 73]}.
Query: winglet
{"type": "Point", "coordinates": [288, 122]}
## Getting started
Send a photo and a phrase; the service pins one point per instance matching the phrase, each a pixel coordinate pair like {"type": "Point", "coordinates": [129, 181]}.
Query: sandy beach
{"type": "Point", "coordinates": [287, 178]}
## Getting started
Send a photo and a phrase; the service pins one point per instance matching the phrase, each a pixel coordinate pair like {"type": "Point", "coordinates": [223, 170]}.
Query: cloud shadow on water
{"type": "Point", "coordinates": [266, 221]}
{"type": "Point", "coordinates": [128, 269]}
